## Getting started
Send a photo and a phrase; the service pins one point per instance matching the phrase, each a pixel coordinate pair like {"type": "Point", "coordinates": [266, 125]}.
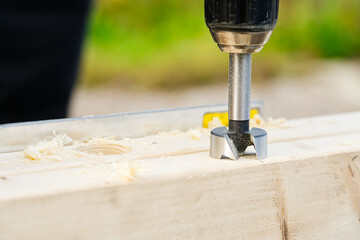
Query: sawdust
{"type": "Point", "coordinates": [60, 147]}
{"type": "Point", "coordinates": [50, 148]}
{"type": "Point", "coordinates": [126, 170]}
{"type": "Point", "coordinates": [259, 121]}
{"type": "Point", "coordinates": [215, 122]}
{"type": "Point", "coordinates": [193, 133]}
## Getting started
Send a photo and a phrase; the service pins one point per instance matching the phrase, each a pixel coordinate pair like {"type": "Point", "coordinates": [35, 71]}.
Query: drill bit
{"type": "Point", "coordinates": [231, 143]}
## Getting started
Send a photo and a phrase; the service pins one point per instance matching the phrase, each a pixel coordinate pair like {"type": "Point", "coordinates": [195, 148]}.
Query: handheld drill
{"type": "Point", "coordinates": [240, 28]}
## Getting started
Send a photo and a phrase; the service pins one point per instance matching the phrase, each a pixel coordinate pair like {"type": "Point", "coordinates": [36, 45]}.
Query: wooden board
{"type": "Point", "coordinates": [308, 188]}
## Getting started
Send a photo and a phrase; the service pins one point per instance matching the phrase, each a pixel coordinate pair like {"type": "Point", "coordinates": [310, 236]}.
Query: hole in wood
{"type": "Point", "coordinates": [104, 149]}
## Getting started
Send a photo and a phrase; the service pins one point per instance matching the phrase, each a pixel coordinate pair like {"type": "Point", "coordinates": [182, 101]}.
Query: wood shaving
{"type": "Point", "coordinates": [126, 170]}
{"type": "Point", "coordinates": [50, 148]}
{"type": "Point", "coordinates": [195, 134]}
{"type": "Point", "coordinates": [259, 121]}
{"type": "Point", "coordinates": [170, 133]}
{"type": "Point", "coordinates": [350, 143]}
{"type": "Point", "coordinates": [215, 122]}
{"type": "Point", "coordinates": [59, 147]}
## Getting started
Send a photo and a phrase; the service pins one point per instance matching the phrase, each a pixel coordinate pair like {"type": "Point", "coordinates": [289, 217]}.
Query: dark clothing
{"type": "Point", "coordinates": [40, 42]}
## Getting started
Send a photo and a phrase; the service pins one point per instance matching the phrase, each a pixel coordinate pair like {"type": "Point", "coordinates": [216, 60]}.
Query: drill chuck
{"type": "Point", "coordinates": [241, 26]}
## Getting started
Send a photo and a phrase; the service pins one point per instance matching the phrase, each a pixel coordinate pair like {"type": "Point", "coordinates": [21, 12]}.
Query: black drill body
{"type": "Point", "coordinates": [241, 15]}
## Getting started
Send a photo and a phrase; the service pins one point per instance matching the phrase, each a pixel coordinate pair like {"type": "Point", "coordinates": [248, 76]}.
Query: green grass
{"type": "Point", "coordinates": [165, 43]}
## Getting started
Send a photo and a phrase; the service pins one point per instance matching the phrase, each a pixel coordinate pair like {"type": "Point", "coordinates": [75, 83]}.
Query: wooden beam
{"type": "Point", "coordinates": [308, 188]}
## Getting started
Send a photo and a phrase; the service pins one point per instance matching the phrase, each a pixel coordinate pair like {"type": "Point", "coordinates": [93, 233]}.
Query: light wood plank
{"type": "Point", "coordinates": [308, 188]}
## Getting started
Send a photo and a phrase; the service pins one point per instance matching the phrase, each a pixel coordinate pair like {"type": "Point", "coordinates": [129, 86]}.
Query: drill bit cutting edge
{"type": "Point", "coordinates": [240, 28]}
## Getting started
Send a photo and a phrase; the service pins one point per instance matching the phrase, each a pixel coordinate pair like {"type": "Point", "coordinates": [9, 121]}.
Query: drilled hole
{"type": "Point", "coordinates": [104, 149]}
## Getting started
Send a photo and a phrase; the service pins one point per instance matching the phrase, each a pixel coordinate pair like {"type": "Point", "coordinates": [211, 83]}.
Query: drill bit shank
{"type": "Point", "coordinates": [239, 86]}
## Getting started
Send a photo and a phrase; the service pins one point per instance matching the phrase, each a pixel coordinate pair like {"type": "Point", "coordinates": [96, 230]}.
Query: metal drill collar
{"type": "Point", "coordinates": [240, 42]}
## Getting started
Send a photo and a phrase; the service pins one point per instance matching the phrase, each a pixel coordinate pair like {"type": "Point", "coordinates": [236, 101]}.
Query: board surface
{"type": "Point", "coordinates": [169, 188]}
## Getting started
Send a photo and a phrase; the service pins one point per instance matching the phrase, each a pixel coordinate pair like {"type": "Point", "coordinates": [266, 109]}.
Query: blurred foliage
{"type": "Point", "coordinates": [165, 43]}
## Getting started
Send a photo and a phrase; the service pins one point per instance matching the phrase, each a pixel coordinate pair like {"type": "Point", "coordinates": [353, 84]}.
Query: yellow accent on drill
{"type": "Point", "coordinates": [223, 117]}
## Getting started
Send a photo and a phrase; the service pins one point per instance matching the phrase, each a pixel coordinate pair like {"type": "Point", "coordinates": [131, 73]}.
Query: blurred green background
{"type": "Point", "coordinates": [154, 44]}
